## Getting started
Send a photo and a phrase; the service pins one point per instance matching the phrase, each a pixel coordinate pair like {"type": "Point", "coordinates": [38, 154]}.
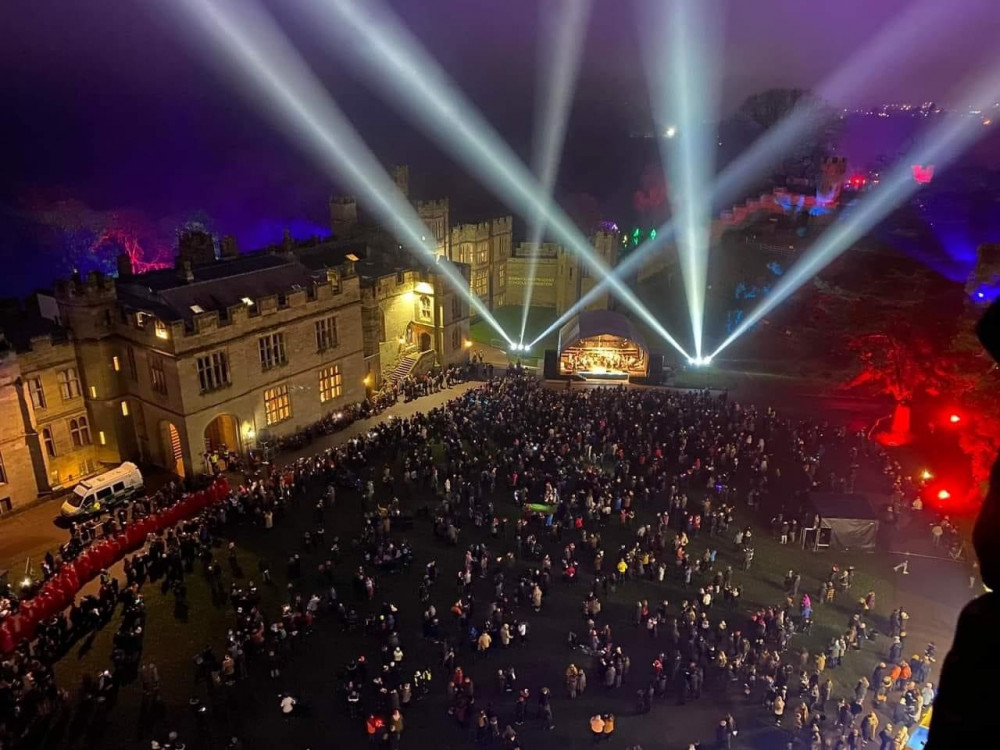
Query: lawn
{"type": "Point", "coordinates": [311, 667]}
{"type": "Point", "coordinates": [509, 318]}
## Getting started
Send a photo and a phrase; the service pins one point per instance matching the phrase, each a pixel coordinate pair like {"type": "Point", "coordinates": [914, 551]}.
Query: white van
{"type": "Point", "coordinates": [103, 492]}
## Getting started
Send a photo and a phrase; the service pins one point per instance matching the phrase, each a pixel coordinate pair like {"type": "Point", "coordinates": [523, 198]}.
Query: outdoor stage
{"type": "Point", "coordinates": [602, 346]}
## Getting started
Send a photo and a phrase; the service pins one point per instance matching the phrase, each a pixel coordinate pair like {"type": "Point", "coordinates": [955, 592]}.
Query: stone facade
{"type": "Point", "coordinates": [485, 247]}
{"type": "Point", "coordinates": [131, 372]}
{"type": "Point", "coordinates": [560, 277]}
{"type": "Point", "coordinates": [407, 313]}
{"type": "Point", "coordinates": [436, 216]}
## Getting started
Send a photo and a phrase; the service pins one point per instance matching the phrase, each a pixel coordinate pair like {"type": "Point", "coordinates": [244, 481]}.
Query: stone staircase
{"type": "Point", "coordinates": [403, 368]}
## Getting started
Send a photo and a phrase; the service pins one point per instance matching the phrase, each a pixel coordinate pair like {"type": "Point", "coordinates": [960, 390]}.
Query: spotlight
{"type": "Point", "coordinates": [941, 145]}
{"type": "Point", "coordinates": [954, 419]}
{"type": "Point", "coordinates": [926, 474]}
{"type": "Point", "coordinates": [679, 37]}
{"type": "Point", "coordinates": [943, 495]}
{"type": "Point", "coordinates": [414, 82]}
{"type": "Point", "coordinates": [908, 32]}
{"type": "Point", "coordinates": [564, 27]}
{"type": "Point", "coordinates": [276, 75]}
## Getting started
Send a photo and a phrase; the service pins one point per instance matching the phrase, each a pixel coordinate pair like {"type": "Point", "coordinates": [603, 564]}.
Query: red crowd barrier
{"type": "Point", "coordinates": [59, 591]}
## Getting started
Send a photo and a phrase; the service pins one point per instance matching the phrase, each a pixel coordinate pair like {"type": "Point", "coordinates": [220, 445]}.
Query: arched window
{"type": "Point", "coordinates": [79, 431]}
{"type": "Point", "coordinates": [50, 444]}
{"type": "Point", "coordinates": [425, 307]}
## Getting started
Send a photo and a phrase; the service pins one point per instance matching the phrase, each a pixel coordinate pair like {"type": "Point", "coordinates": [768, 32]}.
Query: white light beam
{"type": "Point", "coordinates": [269, 66]}
{"type": "Point", "coordinates": [554, 99]}
{"type": "Point", "coordinates": [941, 145]}
{"type": "Point", "coordinates": [410, 78]}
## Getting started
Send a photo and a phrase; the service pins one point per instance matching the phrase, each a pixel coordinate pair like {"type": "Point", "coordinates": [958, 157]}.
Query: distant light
{"type": "Point", "coordinates": [987, 121]}
{"type": "Point", "coordinates": [943, 495]}
{"type": "Point", "coordinates": [670, 132]}
{"type": "Point", "coordinates": [954, 419]}
{"type": "Point", "coordinates": [925, 475]}
{"type": "Point", "coordinates": [525, 348]}
{"type": "Point", "coordinates": [980, 295]}
{"type": "Point", "coordinates": [247, 301]}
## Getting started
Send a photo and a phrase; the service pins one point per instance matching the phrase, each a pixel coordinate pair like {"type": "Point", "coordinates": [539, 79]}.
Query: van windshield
{"type": "Point", "coordinates": [76, 498]}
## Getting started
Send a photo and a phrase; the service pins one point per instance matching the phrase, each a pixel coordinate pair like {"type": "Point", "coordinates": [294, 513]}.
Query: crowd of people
{"type": "Point", "coordinates": [664, 474]}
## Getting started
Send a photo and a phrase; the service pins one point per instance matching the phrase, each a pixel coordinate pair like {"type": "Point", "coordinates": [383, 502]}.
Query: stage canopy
{"type": "Point", "coordinates": [602, 345]}
{"type": "Point", "coordinates": [852, 522]}
{"type": "Point", "coordinates": [596, 323]}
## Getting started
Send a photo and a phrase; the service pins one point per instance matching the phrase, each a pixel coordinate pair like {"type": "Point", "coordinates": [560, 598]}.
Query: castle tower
{"type": "Point", "coordinates": [196, 246]}
{"type": "Point", "coordinates": [343, 215]}
{"type": "Point", "coordinates": [435, 216]}
{"type": "Point", "coordinates": [833, 173]}
{"type": "Point", "coordinates": [401, 176]}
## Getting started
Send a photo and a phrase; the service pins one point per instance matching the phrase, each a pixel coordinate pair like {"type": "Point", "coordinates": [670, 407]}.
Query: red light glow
{"type": "Point", "coordinates": [944, 495]}
{"type": "Point", "coordinates": [923, 173]}
{"type": "Point", "coordinates": [954, 419]}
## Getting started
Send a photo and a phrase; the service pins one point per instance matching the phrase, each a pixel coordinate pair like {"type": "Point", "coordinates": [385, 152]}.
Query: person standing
{"type": "Point", "coordinates": [395, 728]}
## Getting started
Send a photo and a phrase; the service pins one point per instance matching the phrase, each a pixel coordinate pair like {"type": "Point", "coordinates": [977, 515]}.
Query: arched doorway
{"type": "Point", "coordinates": [172, 448]}
{"type": "Point", "coordinates": [425, 341]}
{"type": "Point", "coordinates": [223, 434]}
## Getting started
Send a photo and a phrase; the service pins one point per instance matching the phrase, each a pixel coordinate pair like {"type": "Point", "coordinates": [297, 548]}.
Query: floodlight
{"type": "Point", "coordinates": [941, 144]}
{"type": "Point", "coordinates": [275, 73]}
{"type": "Point", "coordinates": [412, 80]}
{"type": "Point", "coordinates": [566, 21]}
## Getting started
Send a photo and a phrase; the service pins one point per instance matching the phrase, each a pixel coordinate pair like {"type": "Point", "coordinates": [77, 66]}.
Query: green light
{"type": "Point", "coordinates": [636, 236]}
{"type": "Point", "coordinates": [652, 234]}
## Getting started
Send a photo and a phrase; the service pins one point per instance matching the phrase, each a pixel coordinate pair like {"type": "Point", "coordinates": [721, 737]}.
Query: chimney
{"type": "Point", "coordinates": [124, 266]}
{"type": "Point", "coordinates": [287, 243]}
{"type": "Point", "coordinates": [184, 271]}
{"type": "Point", "coordinates": [228, 247]}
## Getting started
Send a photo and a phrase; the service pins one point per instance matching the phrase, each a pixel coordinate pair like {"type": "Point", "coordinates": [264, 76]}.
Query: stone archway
{"type": "Point", "coordinates": [425, 341]}
{"type": "Point", "coordinates": [172, 448]}
{"type": "Point", "coordinates": [223, 433]}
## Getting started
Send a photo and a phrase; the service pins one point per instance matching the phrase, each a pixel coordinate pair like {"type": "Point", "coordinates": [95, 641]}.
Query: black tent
{"type": "Point", "coordinates": [851, 521]}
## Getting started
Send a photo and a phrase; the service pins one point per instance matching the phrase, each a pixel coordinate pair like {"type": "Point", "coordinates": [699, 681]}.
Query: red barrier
{"type": "Point", "coordinates": [59, 592]}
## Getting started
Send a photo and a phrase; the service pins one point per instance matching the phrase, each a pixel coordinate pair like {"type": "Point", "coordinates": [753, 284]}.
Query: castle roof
{"type": "Point", "coordinates": [215, 286]}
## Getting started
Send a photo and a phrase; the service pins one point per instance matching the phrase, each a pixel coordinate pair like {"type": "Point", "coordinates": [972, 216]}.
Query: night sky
{"type": "Point", "coordinates": [112, 114]}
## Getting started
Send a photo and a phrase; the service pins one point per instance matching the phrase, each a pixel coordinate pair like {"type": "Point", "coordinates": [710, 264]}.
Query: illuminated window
{"type": "Point", "coordinates": [130, 358]}
{"type": "Point", "coordinates": [161, 329]}
{"type": "Point", "coordinates": [69, 383]}
{"type": "Point", "coordinates": [426, 310]}
{"type": "Point", "coordinates": [502, 275]}
{"type": "Point", "coordinates": [331, 384]}
{"type": "Point", "coordinates": [213, 371]}
{"type": "Point", "coordinates": [50, 444]}
{"type": "Point", "coordinates": [79, 431]}
{"type": "Point", "coordinates": [157, 374]}
{"type": "Point", "coordinates": [481, 284]}
{"type": "Point", "coordinates": [277, 405]}
{"type": "Point", "coordinates": [326, 334]}
{"type": "Point", "coordinates": [37, 392]}
{"type": "Point", "coordinates": [3, 471]}
{"type": "Point", "coordinates": [272, 350]}
{"type": "Point", "coordinates": [100, 436]}
{"type": "Point", "coordinates": [124, 408]}
{"type": "Point", "coordinates": [116, 363]}
{"type": "Point", "coordinates": [93, 391]}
